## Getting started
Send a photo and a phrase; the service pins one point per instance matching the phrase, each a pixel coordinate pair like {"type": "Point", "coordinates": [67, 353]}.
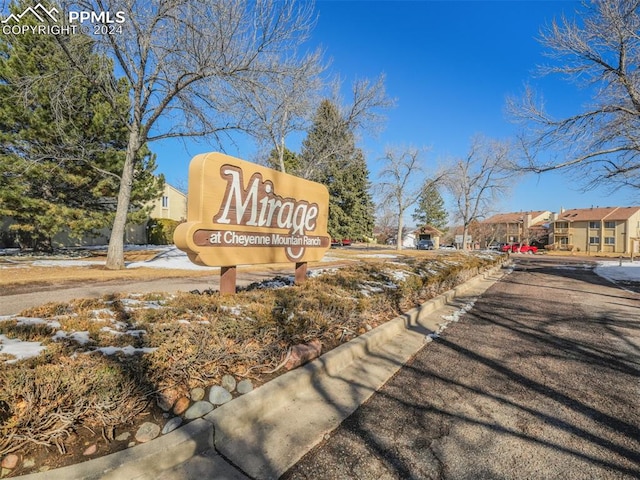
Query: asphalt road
{"type": "Point", "coordinates": [540, 380]}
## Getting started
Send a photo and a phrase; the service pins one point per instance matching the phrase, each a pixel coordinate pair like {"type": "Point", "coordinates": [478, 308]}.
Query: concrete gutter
{"type": "Point", "coordinates": [265, 432]}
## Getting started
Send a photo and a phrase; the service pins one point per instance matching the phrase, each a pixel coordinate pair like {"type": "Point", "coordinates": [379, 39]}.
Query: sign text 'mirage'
{"type": "Point", "coordinates": [240, 213]}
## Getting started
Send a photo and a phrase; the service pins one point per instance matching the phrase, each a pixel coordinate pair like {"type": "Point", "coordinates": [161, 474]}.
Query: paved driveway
{"type": "Point", "coordinates": [540, 380]}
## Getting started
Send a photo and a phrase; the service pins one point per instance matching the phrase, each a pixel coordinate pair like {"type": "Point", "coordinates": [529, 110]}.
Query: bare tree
{"type": "Point", "coordinates": [186, 63]}
{"type": "Point", "coordinates": [282, 102]}
{"type": "Point", "coordinates": [401, 182]}
{"type": "Point", "coordinates": [602, 53]}
{"type": "Point", "coordinates": [476, 181]}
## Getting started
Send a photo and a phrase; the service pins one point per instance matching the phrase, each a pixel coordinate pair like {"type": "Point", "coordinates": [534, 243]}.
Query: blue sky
{"type": "Point", "coordinates": [450, 65]}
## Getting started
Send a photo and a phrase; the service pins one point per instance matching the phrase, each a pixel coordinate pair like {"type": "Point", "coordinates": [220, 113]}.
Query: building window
{"type": "Point", "coordinates": [609, 240]}
{"type": "Point", "coordinates": [566, 225]}
{"type": "Point", "coordinates": [594, 225]}
{"type": "Point", "coordinates": [165, 201]}
{"type": "Point", "coordinates": [609, 224]}
{"type": "Point", "coordinates": [594, 240]}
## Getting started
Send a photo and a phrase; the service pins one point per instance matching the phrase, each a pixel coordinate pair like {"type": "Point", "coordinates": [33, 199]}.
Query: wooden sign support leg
{"type": "Point", "coordinates": [228, 280]}
{"type": "Point", "coordinates": [301, 273]}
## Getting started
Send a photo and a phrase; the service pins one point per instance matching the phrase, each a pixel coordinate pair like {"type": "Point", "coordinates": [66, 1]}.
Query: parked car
{"type": "Point", "coordinates": [448, 247]}
{"type": "Point", "coordinates": [345, 242]}
{"type": "Point", "coordinates": [517, 248]}
{"type": "Point", "coordinates": [424, 245]}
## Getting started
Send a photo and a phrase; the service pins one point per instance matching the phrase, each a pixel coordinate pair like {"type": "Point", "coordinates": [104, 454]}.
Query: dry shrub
{"type": "Point", "coordinates": [46, 403]}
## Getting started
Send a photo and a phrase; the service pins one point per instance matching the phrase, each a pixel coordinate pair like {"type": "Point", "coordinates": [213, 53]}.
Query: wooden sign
{"type": "Point", "coordinates": [239, 213]}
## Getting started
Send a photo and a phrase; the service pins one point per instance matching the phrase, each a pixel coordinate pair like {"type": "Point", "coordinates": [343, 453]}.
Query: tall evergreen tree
{"type": "Point", "coordinates": [62, 146]}
{"type": "Point", "coordinates": [430, 209]}
{"type": "Point", "coordinates": [329, 156]}
{"type": "Point", "coordinates": [289, 160]}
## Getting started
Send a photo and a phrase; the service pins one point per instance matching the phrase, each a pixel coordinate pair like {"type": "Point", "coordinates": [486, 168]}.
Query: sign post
{"type": "Point", "coordinates": [240, 213]}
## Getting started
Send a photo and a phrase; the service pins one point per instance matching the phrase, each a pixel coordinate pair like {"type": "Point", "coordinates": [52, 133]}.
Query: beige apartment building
{"type": "Point", "coordinates": [517, 227]}
{"type": "Point", "coordinates": [593, 230]}
{"type": "Point", "coordinates": [172, 204]}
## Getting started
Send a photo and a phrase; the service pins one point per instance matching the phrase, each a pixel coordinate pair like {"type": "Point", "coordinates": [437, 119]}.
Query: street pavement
{"type": "Point", "coordinates": [539, 380]}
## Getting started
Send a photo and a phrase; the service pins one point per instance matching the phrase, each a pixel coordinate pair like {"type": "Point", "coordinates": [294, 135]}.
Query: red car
{"type": "Point", "coordinates": [517, 248]}
{"type": "Point", "coordinates": [345, 242]}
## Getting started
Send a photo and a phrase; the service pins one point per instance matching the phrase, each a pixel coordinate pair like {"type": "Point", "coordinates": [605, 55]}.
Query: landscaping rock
{"type": "Point", "coordinates": [301, 354]}
{"type": "Point", "coordinates": [198, 409]}
{"type": "Point", "coordinates": [167, 398]}
{"type": "Point", "coordinates": [10, 461]}
{"type": "Point", "coordinates": [197, 394]}
{"type": "Point", "coordinates": [123, 436]}
{"type": "Point", "coordinates": [219, 395]}
{"type": "Point", "coordinates": [245, 386]}
{"type": "Point", "coordinates": [147, 432]}
{"type": "Point", "coordinates": [91, 449]}
{"type": "Point", "coordinates": [181, 405]}
{"type": "Point", "coordinates": [229, 383]}
{"type": "Point", "coordinates": [4, 472]}
{"type": "Point", "coordinates": [171, 425]}
{"type": "Point", "coordinates": [28, 463]}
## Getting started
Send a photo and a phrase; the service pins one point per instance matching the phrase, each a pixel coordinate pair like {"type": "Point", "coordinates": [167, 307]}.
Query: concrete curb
{"type": "Point", "coordinates": [301, 406]}
{"type": "Point", "coordinates": [146, 460]}
{"type": "Point", "coordinates": [305, 404]}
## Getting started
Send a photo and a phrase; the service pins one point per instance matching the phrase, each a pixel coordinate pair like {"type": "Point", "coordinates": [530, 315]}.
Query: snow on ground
{"type": "Point", "coordinates": [614, 271]}
{"type": "Point", "coordinates": [171, 258]}
{"type": "Point", "coordinates": [19, 348]}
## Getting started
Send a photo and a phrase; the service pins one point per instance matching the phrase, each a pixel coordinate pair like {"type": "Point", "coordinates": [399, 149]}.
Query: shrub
{"type": "Point", "coordinates": [160, 231]}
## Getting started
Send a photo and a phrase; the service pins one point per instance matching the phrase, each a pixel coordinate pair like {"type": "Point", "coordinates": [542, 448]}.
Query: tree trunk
{"type": "Point", "coordinates": [399, 234]}
{"type": "Point", "coordinates": [281, 156]}
{"type": "Point", "coordinates": [115, 253]}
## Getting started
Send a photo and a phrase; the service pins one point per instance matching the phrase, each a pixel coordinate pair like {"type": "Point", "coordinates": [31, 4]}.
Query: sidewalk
{"type": "Point", "coordinates": [265, 432]}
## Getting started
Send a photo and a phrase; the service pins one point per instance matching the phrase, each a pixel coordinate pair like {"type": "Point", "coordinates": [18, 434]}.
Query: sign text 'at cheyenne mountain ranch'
{"type": "Point", "coordinates": [240, 213]}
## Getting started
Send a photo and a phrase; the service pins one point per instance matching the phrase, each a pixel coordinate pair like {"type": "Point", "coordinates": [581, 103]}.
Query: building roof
{"type": "Point", "coordinates": [514, 217]}
{"type": "Point", "coordinates": [597, 213]}
{"type": "Point", "coordinates": [429, 229]}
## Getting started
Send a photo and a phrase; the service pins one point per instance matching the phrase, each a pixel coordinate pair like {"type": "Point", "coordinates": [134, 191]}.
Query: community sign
{"type": "Point", "coordinates": [239, 213]}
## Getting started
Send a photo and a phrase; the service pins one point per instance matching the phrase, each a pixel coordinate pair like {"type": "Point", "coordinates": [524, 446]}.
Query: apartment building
{"type": "Point", "coordinates": [593, 230]}
{"type": "Point", "coordinates": [517, 227]}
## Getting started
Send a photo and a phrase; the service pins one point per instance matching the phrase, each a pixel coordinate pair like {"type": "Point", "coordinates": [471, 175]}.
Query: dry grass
{"type": "Point", "coordinates": [197, 339]}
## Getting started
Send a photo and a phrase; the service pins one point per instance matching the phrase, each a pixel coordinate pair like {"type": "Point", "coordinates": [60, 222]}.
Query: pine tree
{"type": "Point", "coordinates": [430, 209]}
{"type": "Point", "coordinates": [290, 160]}
{"type": "Point", "coordinates": [329, 156]}
{"type": "Point", "coordinates": [61, 143]}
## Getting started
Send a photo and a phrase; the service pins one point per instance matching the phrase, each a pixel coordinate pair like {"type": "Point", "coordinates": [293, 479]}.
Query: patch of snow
{"type": "Point", "coordinates": [128, 350]}
{"type": "Point", "coordinates": [25, 321]}
{"type": "Point", "coordinates": [19, 349]}
{"type": "Point", "coordinates": [237, 310]}
{"type": "Point", "coordinates": [613, 271]}
{"type": "Point", "coordinates": [131, 303]}
{"type": "Point", "coordinates": [102, 312]}
{"type": "Point", "coordinates": [400, 275]}
{"type": "Point", "coordinates": [377, 255]}
{"type": "Point", "coordinates": [81, 338]}
{"type": "Point", "coordinates": [133, 333]}
{"type": "Point", "coordinates": [171, 258]}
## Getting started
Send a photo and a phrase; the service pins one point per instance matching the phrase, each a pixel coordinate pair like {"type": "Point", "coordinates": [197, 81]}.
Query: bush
{"type": "Point", "coordinates": [160, 231]}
